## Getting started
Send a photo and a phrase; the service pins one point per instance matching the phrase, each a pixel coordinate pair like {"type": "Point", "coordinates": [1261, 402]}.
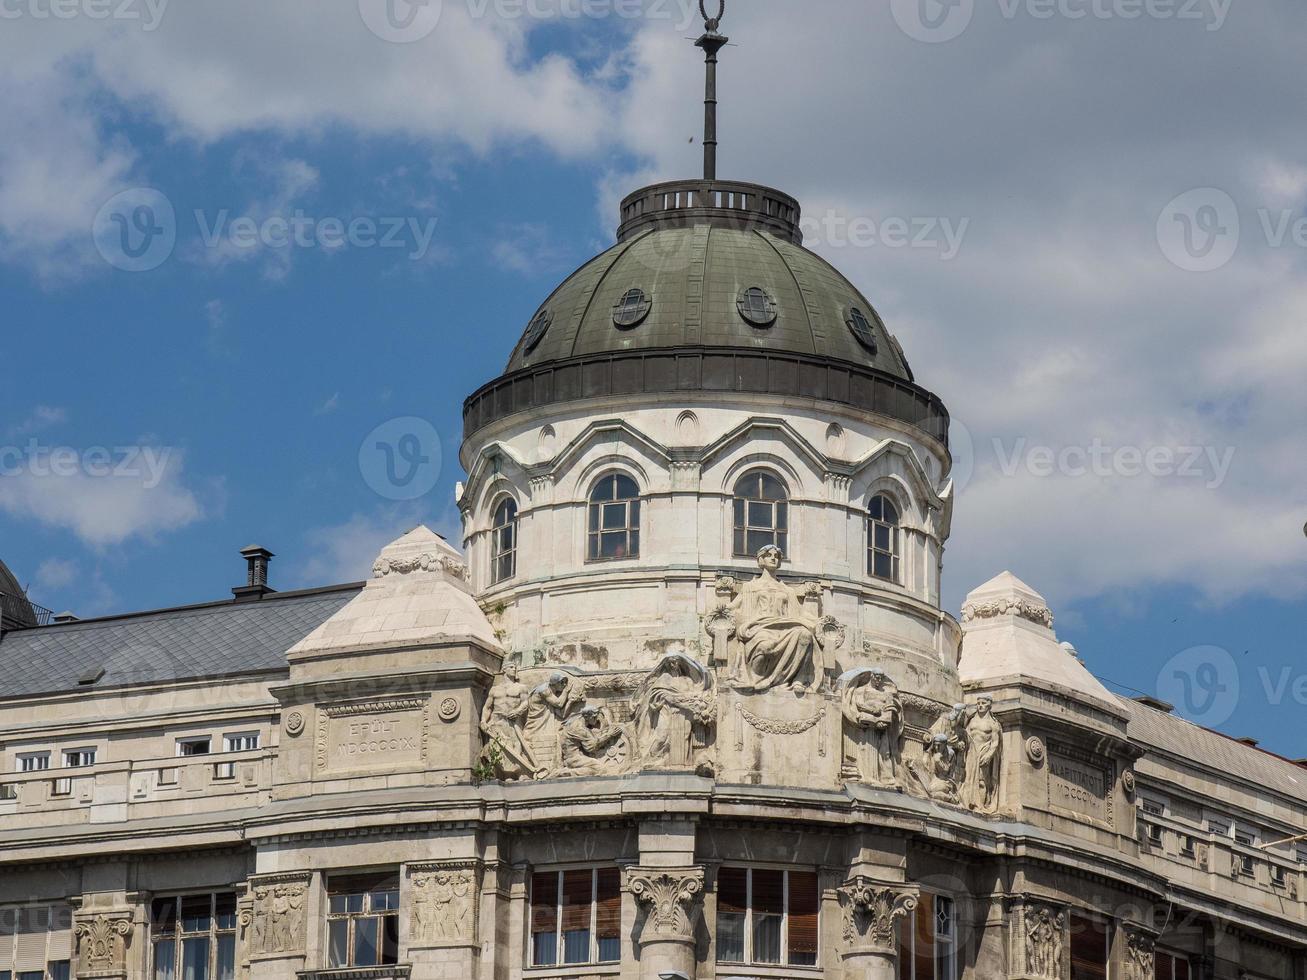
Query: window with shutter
{"type": "Point", "coordinates": [576, 917]}
{"type": "Point", "coordinates": [1090, 941]}
{"type": "Point", "coordinates": [608, 915]}
{"type": "Point", "coordinates": [804, 899]}
{"type": "Point", "coordinates": [767, 916]}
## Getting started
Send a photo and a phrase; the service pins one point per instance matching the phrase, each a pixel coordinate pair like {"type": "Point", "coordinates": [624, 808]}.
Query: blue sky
{"type": "Point", "coordinates": [1045, 167]}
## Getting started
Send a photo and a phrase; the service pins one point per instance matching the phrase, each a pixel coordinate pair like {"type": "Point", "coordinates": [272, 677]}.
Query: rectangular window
{"type": "Point", "coordinates": [1091, 942]}
{"type": "Point", "coordinates": [927, 940]}
{"type": "Point", "coordinates": [73, 759]}
{"type": "Point", "coordinates": [234, 743]}
{"type": "Point", "coordinates": [1188, 846]}
{"type": "Point", "coordinates": [1155, 834]}
{"type": "Point", "coordinates": [8, 792]}
{"type": "Point", "coordinates": [363, 920]}
{"type": "Point", "coordinates": [576, 917]}
{"type": "Point", "coordinates": [1152, 807]}
{"type": "Point", "coordinates": [767, 916]}
{"type": "Point", "coordinates": [193, 937]}
{"type": "Point", "coordinates": [1172, 966]}
{"type": "Point", "coordinates": [34, 762]}
{"type": "Point", "coordinates": [192, 746]}
{"type": "Point", "coordinates": [59, 969]}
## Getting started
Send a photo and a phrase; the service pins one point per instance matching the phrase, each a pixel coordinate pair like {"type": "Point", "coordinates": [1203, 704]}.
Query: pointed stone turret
{"type": "Point", "coordinates": [418, 596]}
{"type": "Point", "coordinates": [1008, 636]}
{"type": "Point", "coordinates": [391, 685]}
{"type": "Point", "coordinates": [1065, 755]}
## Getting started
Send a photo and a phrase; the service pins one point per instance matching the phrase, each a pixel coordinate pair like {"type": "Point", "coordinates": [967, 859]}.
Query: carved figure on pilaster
{"type": "Point", "coordinates": [592, 745]}
{"type": "Point", "coordinates": [503, 722]}
{"type": "Point", "coordinates": [102, 945]}
{"type": "Point", "coordinates": [444, 904]}
{"type": "Point", "coordinates": [672, 896]}
{"type": "Point", "coordinates": [941, 764]}
{"type": "Point", "coordinates": [873, 727]}
{"type": "Point", "coordinates": [276, 919]}
{"type": "Point", "coordinates": [1045, 932]}
{"type": "Point", "coordinates": [675, 711]}
{"type": "Point", "coordinates": [1141, 955]}
{"type": "Point", "coordinates": [984, 758]}
{"type": "Point", "coordinates": [548, 707]}
{"type": "Point", "coordinates": [872, 911]}
{"type": "Point", "coordinates": [780, 638]}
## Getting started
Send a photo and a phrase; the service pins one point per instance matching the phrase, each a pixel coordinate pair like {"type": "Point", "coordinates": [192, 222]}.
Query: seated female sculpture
{"type": "Point", "coordinates": [777, 635]}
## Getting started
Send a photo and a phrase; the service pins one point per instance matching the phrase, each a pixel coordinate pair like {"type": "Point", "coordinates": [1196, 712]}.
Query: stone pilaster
{"type": "Point", "coordinates": [441, 903]}
{"type": "Point", "coordinates": [670, 899]}
{"type": "Point", "coordinates": [275, 925]}
{"type": "Point", "coordinates": [872, 910]}
{"type": "Point", "coordinates": [1138, 952]}
{"type": "Point", "coordinates": [1040, 949]}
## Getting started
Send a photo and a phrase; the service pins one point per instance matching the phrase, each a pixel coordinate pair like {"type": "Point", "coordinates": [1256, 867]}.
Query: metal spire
{"type": "Point", "coordinates": [711, 42]}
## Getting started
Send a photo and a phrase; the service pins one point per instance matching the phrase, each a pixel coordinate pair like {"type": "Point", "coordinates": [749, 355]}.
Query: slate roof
{"type": "Point", "coordinates": [213, 640]}
{"type": "Point", "coordinates": [1185, 740]}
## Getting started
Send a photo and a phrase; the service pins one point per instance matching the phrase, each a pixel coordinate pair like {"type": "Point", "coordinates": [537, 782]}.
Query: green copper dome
{"type": "Point", "coordinates": [708, 288]}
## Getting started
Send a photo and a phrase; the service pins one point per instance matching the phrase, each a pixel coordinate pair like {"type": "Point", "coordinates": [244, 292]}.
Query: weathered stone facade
{"type": "Point", "coordinates": [721, 728]}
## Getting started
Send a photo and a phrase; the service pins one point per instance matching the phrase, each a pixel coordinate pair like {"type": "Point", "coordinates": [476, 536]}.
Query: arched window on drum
{"type": "Point", "coordinates": [613, 529]}
{"type": "Point", "coordinates": [883, 539]}
{"type": "Point", "coordinates": [761, 514]}
{"type": "Point", "coordinates": [503, 541]}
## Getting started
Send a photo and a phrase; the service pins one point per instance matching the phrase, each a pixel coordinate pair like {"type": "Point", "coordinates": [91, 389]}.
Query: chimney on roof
{"type": "Point", "coordinates": [256, 575]}
{"type": "Point", "coordinates": [1156, 704]}
{"type": "Point", "coordinates": [64, 617]}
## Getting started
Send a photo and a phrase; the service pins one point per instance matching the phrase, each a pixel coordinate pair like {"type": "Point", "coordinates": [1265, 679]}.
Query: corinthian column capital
{"type": "Point", "coordinates": [671, 895]}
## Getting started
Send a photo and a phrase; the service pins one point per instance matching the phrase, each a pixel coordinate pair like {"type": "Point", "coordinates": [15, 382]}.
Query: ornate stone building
{"type": "Point", "coordinates": [690, 706]}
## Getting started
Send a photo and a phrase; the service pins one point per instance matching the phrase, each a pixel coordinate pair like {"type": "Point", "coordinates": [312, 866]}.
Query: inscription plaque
{"type": "Point", "coordinates": [380, 735]}
{"type": "Point", "coordinates": [1079, 785]}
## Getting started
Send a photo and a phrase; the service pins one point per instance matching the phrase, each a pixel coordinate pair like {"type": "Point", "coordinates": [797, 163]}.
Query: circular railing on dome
{"type": "Point", "coordinates": [679, 370]}
{"type": "Point", "coordinates": [680, 203]}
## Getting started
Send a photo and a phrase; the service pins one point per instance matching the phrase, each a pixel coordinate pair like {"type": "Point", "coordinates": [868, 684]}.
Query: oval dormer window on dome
{"type": "Point", "coordinates": [631, 309]}
{"type": "Point", "coordinates": [860, 324]}
{"type": "Point", "coordinates": [757, 307]}
{"type": "Point", "coordinates": [537, 330]}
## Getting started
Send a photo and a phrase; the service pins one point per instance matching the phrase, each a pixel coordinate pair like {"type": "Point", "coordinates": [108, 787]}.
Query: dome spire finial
{"type": "Point", "coordinates": [711, 42]}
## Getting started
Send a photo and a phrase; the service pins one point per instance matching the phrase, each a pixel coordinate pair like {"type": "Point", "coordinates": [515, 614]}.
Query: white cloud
{"type": "Point", "coordinates": [214, 71]}
{"type": "Point", "coordinates": [345, 552]}
{"type": "Point", "coordinates": [41, 418]}
{"type": "Point", "coordinates": [55, 573]}
{"type": "Point", "coordinates": [103, 498]}
{"type": "Point", "coordinates": [1060, 321]}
